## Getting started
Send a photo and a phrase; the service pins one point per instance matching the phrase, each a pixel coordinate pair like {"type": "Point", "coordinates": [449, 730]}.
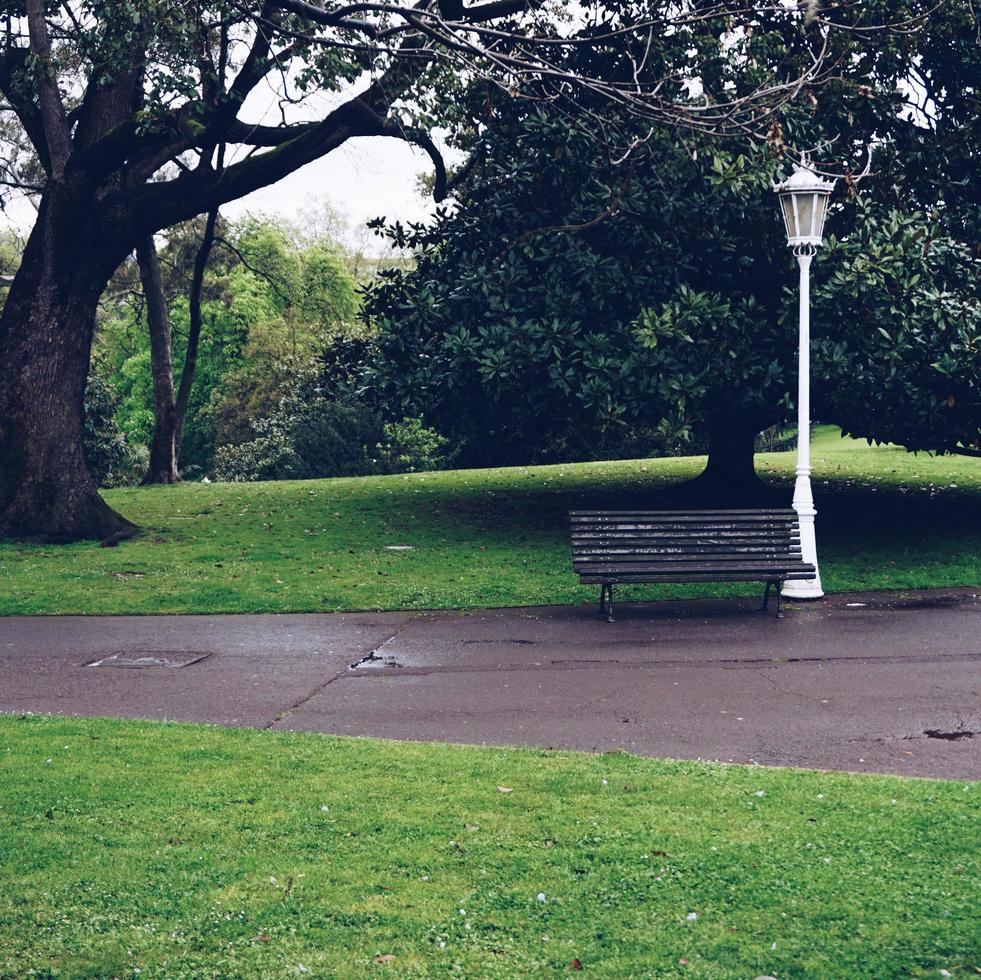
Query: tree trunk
{"type": "Point", "coordinates": [194, 325]}
{"type": "Point", "coordinates": [732, 445]}
{"type": "Point", "coordinates": [729, 478]}
{"type": "Point", "coordinates": [163, 442]}
{"type": "Point", "coordinates": [46, 329]}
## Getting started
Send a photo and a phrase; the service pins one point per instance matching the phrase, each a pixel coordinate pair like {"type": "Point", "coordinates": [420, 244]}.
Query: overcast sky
{"type": "Point", "coordinates": [363, 179]}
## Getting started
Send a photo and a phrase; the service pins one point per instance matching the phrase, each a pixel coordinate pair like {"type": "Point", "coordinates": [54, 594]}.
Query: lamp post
{"type": "Point", "coordinates": [804, 204]}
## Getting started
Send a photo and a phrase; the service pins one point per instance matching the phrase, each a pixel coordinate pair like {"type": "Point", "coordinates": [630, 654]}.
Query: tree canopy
{"type": "Point", "coordinates": [124, 117]}
{"type": "Point", "coordinates": [568, 306]}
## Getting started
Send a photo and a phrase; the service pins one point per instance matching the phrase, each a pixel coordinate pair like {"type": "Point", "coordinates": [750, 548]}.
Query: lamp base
{"type": "Point", "coordinates": [803, 589]}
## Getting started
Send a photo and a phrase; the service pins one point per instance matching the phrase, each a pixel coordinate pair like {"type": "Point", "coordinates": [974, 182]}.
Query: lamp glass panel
{"type": "Point", "coordinates": [805, 210]}
{"type": "Point", "coordinates": [820, 212]}
{"type": "Point", "coordinates": [787, 206]}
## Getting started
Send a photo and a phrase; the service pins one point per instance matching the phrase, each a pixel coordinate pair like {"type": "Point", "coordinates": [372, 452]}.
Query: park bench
{"type": "Point", "coordinates": [612, 547]}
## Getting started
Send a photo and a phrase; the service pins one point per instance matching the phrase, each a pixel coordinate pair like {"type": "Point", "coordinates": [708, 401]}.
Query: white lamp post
{"type": "Point", "coordinates": [804, 204]}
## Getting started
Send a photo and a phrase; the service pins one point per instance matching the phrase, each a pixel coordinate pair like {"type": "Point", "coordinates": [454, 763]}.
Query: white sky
{"type": "Point", "coordinates": [363, 179]}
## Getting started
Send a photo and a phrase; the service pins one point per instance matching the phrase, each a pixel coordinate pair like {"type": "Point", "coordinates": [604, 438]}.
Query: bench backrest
{"type": "Point", "coordinates": [685, 536]}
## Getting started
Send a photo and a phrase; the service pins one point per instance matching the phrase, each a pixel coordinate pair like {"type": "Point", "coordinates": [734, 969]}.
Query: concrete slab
{"type": "Point", "coordinates": [876, 682]}
{"type": "Point", "coordinates": [847, 715]}
{"type": "Point", "coordinates": [701, 631]}
{"type": "Point", "coordinates": [253, 668]}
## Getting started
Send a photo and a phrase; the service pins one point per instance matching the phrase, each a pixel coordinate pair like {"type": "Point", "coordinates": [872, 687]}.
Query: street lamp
{"type": "Point", "coordinates": [804, 204]}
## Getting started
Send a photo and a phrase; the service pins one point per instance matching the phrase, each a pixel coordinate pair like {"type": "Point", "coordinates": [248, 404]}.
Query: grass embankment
{"type": "Point", "coordinates": [184, 851]}
{"type": "Point", "coordinates": [887, 519]}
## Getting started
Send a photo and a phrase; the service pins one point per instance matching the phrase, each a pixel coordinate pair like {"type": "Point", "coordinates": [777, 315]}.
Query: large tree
{"type": "Point", "coordinates": [559, 309]}
{"type": "Point", "coordinates": [125, 104]}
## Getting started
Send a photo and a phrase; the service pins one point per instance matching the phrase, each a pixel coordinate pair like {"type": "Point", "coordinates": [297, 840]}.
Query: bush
{"type": "Point", "coordinates": [325, 425]}
{"type": "Point", "coordinates": [267, 457]}
{"type": "Point", "coordinates": [331, 438]}
{"type": "Point", "coordinates": [305, 439]}
{"type": "Point", "coordinates": [327, 437]}
{"type": "Point", "coordinates": [408, 447]}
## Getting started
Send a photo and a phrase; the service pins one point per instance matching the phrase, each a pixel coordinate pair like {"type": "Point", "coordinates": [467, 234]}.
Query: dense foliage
{"type": "Point", "coordinates": [111, 458]}
{"type": "Point", "coordinates": [324, 426]}
{"type": "Point", "coordinates": [274, 299]}
{"type": "Point", "coordinates": [572, 307]}
{"type": "Point", "coordinates": [899, 355]}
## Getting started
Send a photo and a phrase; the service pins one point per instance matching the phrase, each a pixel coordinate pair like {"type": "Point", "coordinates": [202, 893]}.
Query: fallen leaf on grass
{"type": "Point", "coordinates": [575, 965]}
{"type": "Point", "coordinates": [262, 938]}
{"type": "Point", "coordinates": [386, 958]}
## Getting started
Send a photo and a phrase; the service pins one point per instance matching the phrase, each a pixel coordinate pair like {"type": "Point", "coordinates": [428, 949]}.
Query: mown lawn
{"type": "Point", "coordinates": [136, 848]}
{"type": "Point", "coordinates": [887, 519]}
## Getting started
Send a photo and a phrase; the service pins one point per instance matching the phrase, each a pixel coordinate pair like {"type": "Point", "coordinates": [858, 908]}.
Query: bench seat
{"type": "Point", "coordinates": [611, 547]}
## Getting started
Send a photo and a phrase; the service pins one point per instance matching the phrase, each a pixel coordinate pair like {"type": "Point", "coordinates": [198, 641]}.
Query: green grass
{"type": "Point", "coordinates": [186, 851]}
{"type": "Point", "coordinates": [887, 519]}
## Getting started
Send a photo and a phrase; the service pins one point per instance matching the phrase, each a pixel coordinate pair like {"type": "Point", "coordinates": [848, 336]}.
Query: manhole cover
{"type": "Point", "coordinates": [150, 658]}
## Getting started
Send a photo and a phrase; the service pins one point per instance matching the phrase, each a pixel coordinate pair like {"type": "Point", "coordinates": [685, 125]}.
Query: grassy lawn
{"type": "Point", "coordinates": [186, 851]}
{"type": "Point", "coordinates": [887, 519]}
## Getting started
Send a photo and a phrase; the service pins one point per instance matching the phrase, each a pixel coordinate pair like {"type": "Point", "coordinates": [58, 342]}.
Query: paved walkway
{"type": "Point", "coordinates": [878, 682]}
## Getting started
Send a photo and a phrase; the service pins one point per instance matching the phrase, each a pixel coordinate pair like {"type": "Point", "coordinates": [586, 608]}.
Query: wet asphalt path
{"type": "Point", "coordinates": [877, 682]}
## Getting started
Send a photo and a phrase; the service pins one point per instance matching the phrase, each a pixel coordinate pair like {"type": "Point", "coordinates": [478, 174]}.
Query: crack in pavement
{"type": "Point", "coordinates": [361, 669]}
{"type": "Point", "coordinates": [764, 672]}
{"type": "Point", "coordinates": [287, 711]}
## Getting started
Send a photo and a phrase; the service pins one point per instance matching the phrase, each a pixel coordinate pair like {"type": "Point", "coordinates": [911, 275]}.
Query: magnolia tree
{"type": "Point", "coordinates": [124, 117]}
{"type": "Point", "coordinates": [571, 308]}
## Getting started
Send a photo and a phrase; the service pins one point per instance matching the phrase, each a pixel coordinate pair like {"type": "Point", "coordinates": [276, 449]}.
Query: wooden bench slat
{"type": "Point", "coordinates": [654, 556]}
{"type": "Point", "coordinates": [682, 523]}
{"type": "Point", "coordinates": [778, 512]}
{"type": "Point", "coordinates": [685, 523]}
{"type": "Point", "coordinates": [679, 568]}
{"type": "Point", "coordinates": [674, 514]}
{"type": "Point", "coordinates": [736, 540]}
{"type": "Point", "coordinates": [673, 545]}
{"type": "Point", "coordinates": [788, 576]}
{"type": "Point", "coordinates": [739, 512]}
{"type": "Point", "coordinates": [683, 530]}
{"type": "Point", "coordinates": [732, 544]}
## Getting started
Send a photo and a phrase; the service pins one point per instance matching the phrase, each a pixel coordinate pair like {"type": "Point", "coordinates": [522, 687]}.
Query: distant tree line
{"type": "Point", "coordinates": [277, 388]}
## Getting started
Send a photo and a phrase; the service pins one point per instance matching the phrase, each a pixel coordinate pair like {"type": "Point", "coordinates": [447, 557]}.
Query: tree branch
{"type": "Point", "coordinates": [424, 141]}
{"type": "Point", "coordinates": [194, 325]}
{"type": "Point", "coordinates": [12, 84]}
{"type": "Point", "coordinates": [54, 119]}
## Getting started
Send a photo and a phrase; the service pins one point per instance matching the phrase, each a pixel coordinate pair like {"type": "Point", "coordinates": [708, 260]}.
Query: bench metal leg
{"type": "Point", "coordinates": [772, 583]}
{"type": "Point", "coordinates": [606, 601]}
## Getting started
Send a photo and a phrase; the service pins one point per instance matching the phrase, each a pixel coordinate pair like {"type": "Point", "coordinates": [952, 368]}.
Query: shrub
{"type": "Point", "coordinates": [268, 457]}
{"type": "Point", "coordinates": [305, 439]}
{"type": "Point", "coordinates": [408, 446]}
